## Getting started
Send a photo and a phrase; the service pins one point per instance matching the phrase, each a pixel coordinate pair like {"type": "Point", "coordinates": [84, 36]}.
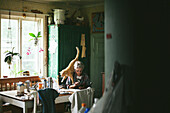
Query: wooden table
{"type": "Point", "coordinates": [10, 97]}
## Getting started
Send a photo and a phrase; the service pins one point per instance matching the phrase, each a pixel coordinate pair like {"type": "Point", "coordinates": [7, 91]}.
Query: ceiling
{"type": "Point", "coordinates": [71, 2]}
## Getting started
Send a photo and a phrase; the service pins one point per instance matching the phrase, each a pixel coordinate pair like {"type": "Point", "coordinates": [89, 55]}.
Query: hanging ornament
{"type": "Point", "coordinates": [9, 34]}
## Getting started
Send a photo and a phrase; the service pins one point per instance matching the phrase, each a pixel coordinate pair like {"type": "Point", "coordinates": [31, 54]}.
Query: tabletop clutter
{"type": "Point", "coordinates": [24, 89]}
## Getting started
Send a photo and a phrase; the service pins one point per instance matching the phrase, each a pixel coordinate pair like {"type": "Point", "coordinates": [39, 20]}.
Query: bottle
{"type": "Point", "coordinates": [44, 83]}
{"type": "Point", "coordinates": [40, 84]}
{"type": "Point", "coordinates": [87, 110]}
{"type": "Point", "coordinates": [50, 82]}
{"type": "Point", "coordinates": [83, 108]}
{"type": "Point", "coordinates": [94, 105]}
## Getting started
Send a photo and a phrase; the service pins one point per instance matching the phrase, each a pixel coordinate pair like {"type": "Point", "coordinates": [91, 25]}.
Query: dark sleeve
{"type": "Point", "coordinates": [85, 82]}
{"type": "Point", "coordinates": [74, 77]}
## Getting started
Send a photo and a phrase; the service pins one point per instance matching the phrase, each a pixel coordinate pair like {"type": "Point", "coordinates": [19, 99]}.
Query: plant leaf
{"type": "Point", "coordinates": [8, 58]}
{"type": "Point", "coordinates": [39, 36]}
{"type": "Point", "coordinates": [6, 51]}
{"type": "Point", "coordinates": [39, 33]}
{"type": "Point", "coordinates": [31, 39]}
{"type": "Point", "coordinates": [32, 34]}
{"type": "Point", "coordinates": [20, 56]}
{"type": "Point", "coordinates": [20, 71]}
{"type": "Point", "coordinates": [9, 54]}
{"type": "Point", "coordinates": [15, 54]}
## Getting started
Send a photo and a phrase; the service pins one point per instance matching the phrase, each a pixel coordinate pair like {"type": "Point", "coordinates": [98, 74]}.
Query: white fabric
{"type": "Point", "coordinates": [111, 101]}
{"type": "Point", "coordinates": [79, 97]}
{"type": "Point", "coordinates": [69, 90]}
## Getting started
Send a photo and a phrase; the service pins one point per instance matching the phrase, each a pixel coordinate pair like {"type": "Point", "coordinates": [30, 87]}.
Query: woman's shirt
{"type": "Point", "coordinates": [83, 80]}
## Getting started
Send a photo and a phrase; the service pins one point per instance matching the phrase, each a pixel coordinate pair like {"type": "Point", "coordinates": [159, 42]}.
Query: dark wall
{"type": "Point", "coordinates": [140, 32]}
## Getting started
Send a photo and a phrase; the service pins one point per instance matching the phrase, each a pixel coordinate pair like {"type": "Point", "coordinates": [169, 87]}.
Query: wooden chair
{"type": "Point", "coordinates": [11, 83]}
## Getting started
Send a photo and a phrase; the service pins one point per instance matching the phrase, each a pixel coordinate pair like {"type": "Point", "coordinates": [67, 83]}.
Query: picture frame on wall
{"type": "Point", "coordinates": [97, 22]}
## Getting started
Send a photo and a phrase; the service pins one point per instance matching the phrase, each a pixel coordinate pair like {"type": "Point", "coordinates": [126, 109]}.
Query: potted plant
{"type": "Point", "coordinates": [35, 38]}
{"type": "Point", "coordinates": [9, 56]}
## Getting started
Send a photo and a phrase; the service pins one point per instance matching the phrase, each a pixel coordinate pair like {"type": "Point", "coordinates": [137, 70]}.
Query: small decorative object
{"type": "Point", "coordinates": [59, 16]}
{"type": "Point", "coordinates": [26, 73]}
{"type": "Point", "coordinates": [97, 22]}
{"type": "Point", "coordinates": [83, 46]}
{"type": "Point", "coordinates": [41, 50]}
{"type": "Point", "coordinates": [9, 34]}
{"type": "Point", "coordinates": [28, 51]}
{"type": "Point", "coordinates": [40, 85]}
{"type": "Point", "coordinates": [36, 11]}
{"type": "Point", "coordinates": [20, 89]}
{"type": "Point", "coordinates": [28, 85]}
{"type": "Point", "coordinates": [50, 20]}
{"type": "Point", "coordinates": [9, 56]}
{"type": "Point", "coordinates": [50, 82]}
{"type": "Point", "coordinates": [5, 76]}
{"type": "Point", "coordinates": [35, 38]}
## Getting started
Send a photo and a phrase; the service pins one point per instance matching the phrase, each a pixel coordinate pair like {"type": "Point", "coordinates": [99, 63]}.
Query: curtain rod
{"type": "Point", "coordinates": [20, 12]}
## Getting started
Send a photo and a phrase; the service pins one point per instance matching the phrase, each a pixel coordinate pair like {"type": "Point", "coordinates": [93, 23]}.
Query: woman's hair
{"type": "Point", "coordinates": [78, 64]}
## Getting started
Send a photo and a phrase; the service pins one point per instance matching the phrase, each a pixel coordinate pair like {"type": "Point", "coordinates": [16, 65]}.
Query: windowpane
{"type": "Point", "coordinates": [8, 46]}
{"type": "Point", "coordinates": [31, 62]}
{"type": "Point", "coordinates": [29, 50]}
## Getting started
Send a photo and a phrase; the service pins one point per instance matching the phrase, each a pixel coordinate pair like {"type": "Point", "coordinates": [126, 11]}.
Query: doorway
{"type": "Point", "coordinates": [97, 62]}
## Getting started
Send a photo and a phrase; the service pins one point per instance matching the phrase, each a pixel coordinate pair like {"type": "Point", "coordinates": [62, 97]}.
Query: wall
{"type": "Point", "coordinates": [140, 32]}
{"type": "Point", "coordinates": [96, 58]}
{"type": "Point", "coordinates": [17, 5]}
{"type": "Point", "coordinates": [87, 11]}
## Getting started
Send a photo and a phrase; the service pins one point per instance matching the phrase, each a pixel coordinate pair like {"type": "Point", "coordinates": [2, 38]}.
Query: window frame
{"type": "Point", "coordinates": [31, 17]}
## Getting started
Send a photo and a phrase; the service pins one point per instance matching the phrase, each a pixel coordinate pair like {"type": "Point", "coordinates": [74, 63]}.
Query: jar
{"type": "Point", "coordinates": [20, 89]}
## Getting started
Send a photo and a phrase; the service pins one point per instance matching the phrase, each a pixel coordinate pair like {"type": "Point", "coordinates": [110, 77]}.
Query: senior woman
{"type": "Point", "coordinates": [80, 78]}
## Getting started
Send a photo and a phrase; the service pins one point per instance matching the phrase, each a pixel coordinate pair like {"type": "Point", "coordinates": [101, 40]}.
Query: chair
{"type": "Point", "coordinates": [81, 96]}
{"type": "Point", "coordinates": [47, 97]}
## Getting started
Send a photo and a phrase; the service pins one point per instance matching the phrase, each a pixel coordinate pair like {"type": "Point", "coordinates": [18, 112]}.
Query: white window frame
{"type": "Point", "coordinates": [30, 16]}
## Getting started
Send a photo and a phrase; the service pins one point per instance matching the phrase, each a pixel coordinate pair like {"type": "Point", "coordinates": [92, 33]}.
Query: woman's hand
{"type": "Point", "coordinates": [74, 85]}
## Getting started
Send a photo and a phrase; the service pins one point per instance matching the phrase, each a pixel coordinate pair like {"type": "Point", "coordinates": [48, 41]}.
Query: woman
{"type": "Point", "coordinates": [81, 79]}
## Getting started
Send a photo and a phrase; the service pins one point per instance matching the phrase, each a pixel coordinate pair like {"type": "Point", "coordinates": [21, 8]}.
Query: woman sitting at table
{"type": "Point", "coordinates": [81, 79]}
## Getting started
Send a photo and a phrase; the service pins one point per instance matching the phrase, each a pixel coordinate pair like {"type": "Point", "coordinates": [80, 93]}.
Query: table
{"type": "Point", "coordinates": [10, 97]}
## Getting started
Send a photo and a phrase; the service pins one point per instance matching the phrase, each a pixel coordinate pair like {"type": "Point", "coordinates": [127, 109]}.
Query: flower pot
{"type": "Point", "coordinates": [36, 41]}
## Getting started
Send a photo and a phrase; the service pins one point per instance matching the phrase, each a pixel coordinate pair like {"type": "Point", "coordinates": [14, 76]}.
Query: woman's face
{"type": "Point", "coordinates": [78, 71]}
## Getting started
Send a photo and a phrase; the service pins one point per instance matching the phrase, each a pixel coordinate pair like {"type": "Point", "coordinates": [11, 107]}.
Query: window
{"type": "Point", "coordinates": [32, 56]}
